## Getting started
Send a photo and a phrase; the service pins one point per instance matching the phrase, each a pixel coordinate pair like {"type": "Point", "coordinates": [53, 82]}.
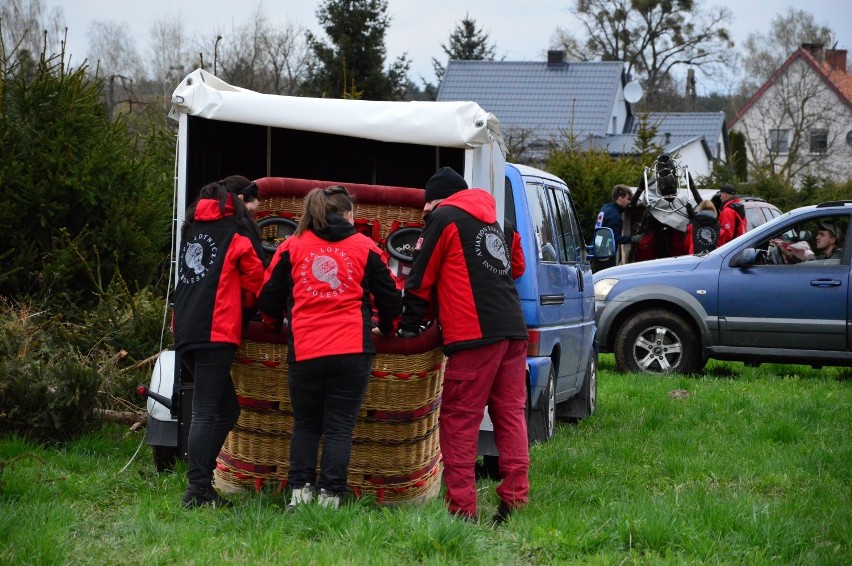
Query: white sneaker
{"type": "Point", "coordinates": [327, 500]}
{"type": "Point", "coordinates": [301, 496]}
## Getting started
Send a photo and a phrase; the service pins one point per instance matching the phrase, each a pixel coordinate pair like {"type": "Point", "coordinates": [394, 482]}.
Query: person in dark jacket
{"type": "Point", "coordinates": [610, 216]}
{"type": "Point", "coordinates": [322, 277]}
{"type": "Point", "coordinates": [702, 234]}
{"type": "Point", "coordinates": [219, 274]}
{"type": "Point", "coordinates": [464, 268]}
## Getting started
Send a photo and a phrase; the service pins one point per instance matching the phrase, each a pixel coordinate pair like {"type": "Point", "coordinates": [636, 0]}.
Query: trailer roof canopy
{"type": "Point", "coordinates": [444, 124]}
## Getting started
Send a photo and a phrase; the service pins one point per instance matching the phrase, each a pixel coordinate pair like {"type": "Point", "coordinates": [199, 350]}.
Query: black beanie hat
{"type": "Point", "coordinates": [728, 188]}
{"type": "Point", "coordinates": [444, 183]}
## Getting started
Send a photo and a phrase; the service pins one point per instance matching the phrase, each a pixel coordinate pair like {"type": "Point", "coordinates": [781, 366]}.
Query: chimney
{"type": "Point", "coordinates": [555, 58]}
{"type": "Point", "coordinates": [836, 59]}
{"type": "Point", "coordinates": [668, 137]}
{"type": "Point", "coordinates": [815, 49]}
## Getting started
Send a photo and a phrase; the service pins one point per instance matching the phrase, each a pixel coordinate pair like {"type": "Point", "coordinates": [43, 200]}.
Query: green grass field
{"type": "Point", "coordinates": [748, 466]}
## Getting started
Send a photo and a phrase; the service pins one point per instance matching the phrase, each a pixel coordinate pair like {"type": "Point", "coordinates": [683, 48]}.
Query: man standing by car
{"type": "Point", "coordinates": [826, 242]}
{"type": "Point", "coordinates": [610, 216]}
{"type": "Point", "coordinates": [463, 264]}
{"type": "Point", "coordinates": [732, 219]}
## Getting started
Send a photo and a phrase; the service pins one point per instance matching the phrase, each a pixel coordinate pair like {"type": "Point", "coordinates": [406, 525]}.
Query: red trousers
{"type": "Point", "coordinates": [494, 375]}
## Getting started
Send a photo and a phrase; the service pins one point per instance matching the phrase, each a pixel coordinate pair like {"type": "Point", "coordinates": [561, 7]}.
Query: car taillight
{"type": "Point", "coordinates": [533, 342]}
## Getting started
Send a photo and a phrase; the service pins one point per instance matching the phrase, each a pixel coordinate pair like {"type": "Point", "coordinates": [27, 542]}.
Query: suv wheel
{"type": "Point", "coordinates": [656, 341]}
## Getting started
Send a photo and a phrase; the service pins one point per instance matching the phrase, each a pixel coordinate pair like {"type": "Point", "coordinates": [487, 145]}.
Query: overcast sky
{"type": "Point", "coordinates": [521, 29]}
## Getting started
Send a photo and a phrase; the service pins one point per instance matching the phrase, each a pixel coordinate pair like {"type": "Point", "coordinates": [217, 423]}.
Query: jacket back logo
{"type": "Point", "coordinates": [199, 254]}
{"type": "Point", "coordinates": [326, 274]}
{"type": "Point", "coordinates": [491, 248]}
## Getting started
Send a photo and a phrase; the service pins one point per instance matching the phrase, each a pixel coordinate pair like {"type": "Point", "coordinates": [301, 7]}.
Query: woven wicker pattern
{"type": "Point", "coordinates": [393, 432]}
{"type": "Point", "coordinates": [395, 438]}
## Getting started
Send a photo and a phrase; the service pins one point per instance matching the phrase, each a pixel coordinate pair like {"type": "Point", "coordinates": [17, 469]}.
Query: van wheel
{"type": "Point", "coordinates": [164, 458]}
{"type": "Point", "coordinates": [657, 342]}
{"type": "Point", "coordinates": [542, 421]}
{"type": "Point", "coordinates": [585, 401]}
{"type": "Point", "coordinates": [488, 468]}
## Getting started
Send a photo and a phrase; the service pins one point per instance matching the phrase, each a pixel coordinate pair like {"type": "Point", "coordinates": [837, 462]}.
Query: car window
{"type": "Point", "coordinates": [542, 225]}
{"type": "Point", "coordinates": [568, 250]}
{"type": "Point", "coordinates": [819, 239]}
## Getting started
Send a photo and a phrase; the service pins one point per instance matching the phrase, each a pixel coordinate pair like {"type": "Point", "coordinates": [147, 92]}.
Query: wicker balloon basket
{"type": "Point", "coordinates": [395, 453]}
{"type": "Point", "coordinates": [395, 458]}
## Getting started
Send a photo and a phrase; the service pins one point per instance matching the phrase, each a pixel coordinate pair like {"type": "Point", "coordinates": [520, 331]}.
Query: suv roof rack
{"type": "Point", "coordinates": [834, 203]}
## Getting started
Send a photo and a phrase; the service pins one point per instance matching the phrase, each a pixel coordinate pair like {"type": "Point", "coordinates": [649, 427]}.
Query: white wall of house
{"type": "Point", "coordinates": [619, 112]}
{"type": "Point", "coordinates": [694, 156]}
{"type": "Point", "coordinates": [799, 127]}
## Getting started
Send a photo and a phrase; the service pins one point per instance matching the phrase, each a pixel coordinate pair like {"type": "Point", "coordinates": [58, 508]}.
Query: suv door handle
{"type": "Point", "coordinates": [551, 299]}
{"type": "Point", "coordinates": [825, 283]}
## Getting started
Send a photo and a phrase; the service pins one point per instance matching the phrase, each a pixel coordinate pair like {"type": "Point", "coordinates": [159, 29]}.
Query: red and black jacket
{"type": "Point", "coordinates": [464, 265]}
{"type": "Point", "coordinates": [324, 282]}
{"type": "Point", "coordinates": [218, 273]}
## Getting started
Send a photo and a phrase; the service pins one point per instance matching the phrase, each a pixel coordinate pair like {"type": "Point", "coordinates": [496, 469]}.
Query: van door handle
{"type": "Point", "coordinates": [552, 299]}
{"type": "Point", "coordinates": [825, 283]}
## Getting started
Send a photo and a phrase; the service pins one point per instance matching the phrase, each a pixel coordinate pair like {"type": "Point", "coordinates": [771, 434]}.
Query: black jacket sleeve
{"type": "Point", "coordinates": [387, 297]}
{"type": "Point", "coordinates": [277, 289]}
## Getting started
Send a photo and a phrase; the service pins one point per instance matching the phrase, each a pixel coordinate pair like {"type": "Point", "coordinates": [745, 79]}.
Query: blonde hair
{"type": "Point", "coordinates": [706, 205]}
{"type": "Point", "coordinates": [320, 202]}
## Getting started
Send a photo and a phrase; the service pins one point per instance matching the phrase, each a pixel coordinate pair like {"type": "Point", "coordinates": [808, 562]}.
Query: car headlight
{"type": "Point", "coordinates": [603, 287]}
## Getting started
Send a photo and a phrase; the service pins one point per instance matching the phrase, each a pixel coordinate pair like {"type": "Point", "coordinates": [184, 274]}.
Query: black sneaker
{"type": "Point", "coordinates": [199, 496]}
{"type": "Point", "coordinates": [503, 512]}
{"type": "Point", "coordinates": [217, 500]}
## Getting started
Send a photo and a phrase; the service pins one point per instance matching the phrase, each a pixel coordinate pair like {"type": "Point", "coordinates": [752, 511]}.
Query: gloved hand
{"type": "Point", "coordinates": [402, 333]}
{"type": "Point", "coordinates": [636, 238]}
{"type": "Point", "coordinates": [690, 211]}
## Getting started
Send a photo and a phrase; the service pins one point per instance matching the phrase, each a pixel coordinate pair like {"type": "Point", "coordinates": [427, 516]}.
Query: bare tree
{"type": "Point", "coordinates": [652, 36]}
{"type": "Point", "coordinates": [763, 53]}
{"type": "Point", "coordinates": [260, 55]}
{"type": "Point", "coordinates": [792, 129]}
{"type": "Point", "coordinates": [112, 51]}
{"type": "Point", "coordinates": [170, 53]}
{"type": "Point", "coordinates": [27, 26]}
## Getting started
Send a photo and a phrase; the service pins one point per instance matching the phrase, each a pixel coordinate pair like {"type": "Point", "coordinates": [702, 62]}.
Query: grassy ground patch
{"type": "Point", "coordinates": [740, 466]}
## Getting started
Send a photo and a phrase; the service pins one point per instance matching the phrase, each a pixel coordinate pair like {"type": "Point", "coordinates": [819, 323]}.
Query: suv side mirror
{"type": "Point", "coordinates": [604, 246]}
{"type": "Point", "coordinates": [747, 258]}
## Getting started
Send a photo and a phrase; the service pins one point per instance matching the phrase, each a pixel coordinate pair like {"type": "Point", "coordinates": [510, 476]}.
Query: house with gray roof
{"type": "Point", "coordinates": [543, 103]}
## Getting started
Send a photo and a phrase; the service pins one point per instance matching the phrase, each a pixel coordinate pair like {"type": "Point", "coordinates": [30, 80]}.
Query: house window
{"type": "Point", "coordinates": [778, 141]}
{"type": "Point", "coordinates": [819, 141]}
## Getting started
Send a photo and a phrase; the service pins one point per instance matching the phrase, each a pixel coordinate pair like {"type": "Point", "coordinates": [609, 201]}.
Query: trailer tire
{"type": "Point", "coordinates": [165, 458]}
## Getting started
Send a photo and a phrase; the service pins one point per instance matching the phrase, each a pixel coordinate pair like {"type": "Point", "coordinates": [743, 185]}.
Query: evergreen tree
{"type": "Point", "coordinates": [351, 64]}
{"type": "Point", "coordinates": [83, 199]}
{"type": "Point", "coordinates": [467, 43]}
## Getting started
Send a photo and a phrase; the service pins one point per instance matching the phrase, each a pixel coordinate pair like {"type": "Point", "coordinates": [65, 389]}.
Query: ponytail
{"type": "Point", "coordinates": [319, 203]}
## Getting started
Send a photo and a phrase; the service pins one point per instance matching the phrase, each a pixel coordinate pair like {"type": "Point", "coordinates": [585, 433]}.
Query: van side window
{"type": "Point", "coordinates": [509, 206]}
{"type": "Point", "coordinates": [568, 237]}
{"type": "Point", "coordinates": [542, 224]}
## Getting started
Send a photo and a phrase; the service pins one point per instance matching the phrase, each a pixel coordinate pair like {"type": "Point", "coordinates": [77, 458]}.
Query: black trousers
{"type": "Point", "coordinates": [215, 409]}
{"type": "Point", "coordinates": [326, 394]}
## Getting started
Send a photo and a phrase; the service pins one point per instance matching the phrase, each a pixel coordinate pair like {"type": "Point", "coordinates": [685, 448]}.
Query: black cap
{"type": "Point", "coordinates": [728, 188]}
{"type": "Point", "coordinates": [444, 183]}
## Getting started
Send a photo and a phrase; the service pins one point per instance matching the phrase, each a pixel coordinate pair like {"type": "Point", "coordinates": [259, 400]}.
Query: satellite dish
{"type": "Point", "coordinates": [633, 92]}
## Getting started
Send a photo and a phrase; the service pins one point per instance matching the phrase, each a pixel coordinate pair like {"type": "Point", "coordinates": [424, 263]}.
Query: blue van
{"type": "Point", "coordinates": [558, 299]}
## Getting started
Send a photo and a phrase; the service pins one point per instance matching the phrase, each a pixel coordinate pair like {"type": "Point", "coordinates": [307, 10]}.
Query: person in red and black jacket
{"type": "Point", "coordinates": [323, 278]}
{"type": "Point", "coordinates": [465, 269]}
{"type": "Point", "coordinates": [732, 220]}
{"type": "Point", "coordinates": [219, 273]}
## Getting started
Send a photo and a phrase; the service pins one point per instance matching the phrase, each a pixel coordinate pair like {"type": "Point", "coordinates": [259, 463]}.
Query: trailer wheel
{"type": "Point", "coordinates": [164, 458]}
